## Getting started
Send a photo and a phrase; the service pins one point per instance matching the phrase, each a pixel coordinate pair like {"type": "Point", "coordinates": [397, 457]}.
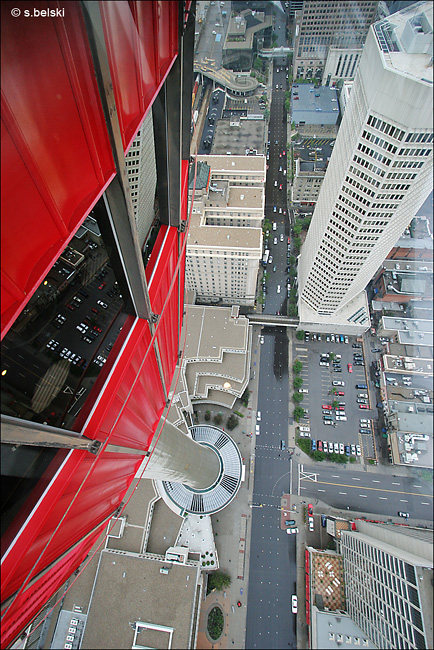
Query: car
{"type": "Point", "coordinates": [324, 363]}
{"type": "Point", "coordinates": [363, 406]}
{"type": "Point", "coordinates": [358, 450]}
{"type": "Point", "coordinates": [319, 445]}
{"type": "Point", "coordinates": [303, 390]}
{"type": "Point", "coordinates": [361, 401]}
{"type": "Point", "coordinates": [340, 393]}
{"type": "Point", "coordinates": [102, 285]}
{"type": "Point", "coordinates": [290, 522]}
{"type": "Point", "coordinates": [292, 531]}
{"type": "Point", "coordinates": [258, 431]}
{"type": "Point", "coordinates": [304, 434]}
{"type": "Point", "coordinates": [261, 338]}
{"type": "Point", "coordinates": [277, 88]}
{"type": "Point", "coordinates": [341, 448]}
{"type": "Point", "coordinates": [363, 421]}
{"type": "Point", "coordinates": [327, 422]}
{"type": "Point", "coordinates": [270, 259]}
{"type": "Point", "coordinates": [311, 524]}
{"type": "Point", "coordinates": [341, 417]}
{"type": "Point", "coordinates": [363, 395]}
{"type": "Point", "coordinates": [95, 311]}
{"type": "Point", "coordinates": [69, 306]}
{"type": "Point", "coordinates": [362, 430]}
{"type": "Point", "coordinates": [337, 369]}
{"type": "Point", "coordinates": [350, 368]}
{"type": "Point", "coordinates": [310, 509]}
{"type": "Point", "coordinates": [280, 187]}
{"type": "Point", "coordinates": [327, 406]}
{"type": "Point", "coordinates": [274, 210]}
{"type": "Point", "coordinates": [361, 386]}
{"type": "Point", "coordinates": [325, 446]}
{"type": "Point", "coordinates": [336, 447]}
{"type": "Point", "coordinates": [347, 450]}
{"type": "Point", "coordinates": [275, 183]}
{"type": "Point", "coordinates": [102, 304]}
{"type": "Point", "coordinates": [281, 237]}
{"type": "Point", "coordinates": [323, 521]}
{"type": "Point", "coordinates": [346, 339]}
{"type": "Point", "coordinates": [337, 382]}
{"type": "Point", "coordinates": [282, 445]}
{"type": "Point", "coordinates": [332, 338]}
{"type": "Point", "coordinates": [340, 408]}
{"type": "Point", "coordinates": [278, 288]}
{"type": "Point", "coordinates": [275, 240]}
{"type": "Point", "coordinates": [356, 345]}
{"type": "Point", "coordinates": [405, 515]}
{"type": "Point", "coordinates": [258, 416]}
{"type": "Point", "coordinates": [313, 445]}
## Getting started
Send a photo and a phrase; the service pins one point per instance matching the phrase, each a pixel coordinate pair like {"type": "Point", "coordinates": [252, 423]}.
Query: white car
{"type": "Point", "coordinates": [305, 429]}
{"type": "Point", "coordinates": [102, 304]}
{"type": "Point", "coordinates": [278, 288]}
{"type": "Point", "coordinates": [281, 237]}
{"type": "Point", "coordinates": [305, 434]}
{"type": "Point", "coordinates": [258, 431]}
{"type": "Point", "coordinates": [275, 240]}
{"type": "Point", "coordinates": [294, 604]}
{"type": "Point", "coordinates": [337, 382]}
{"type": "Point", "coordinates": [335, 447]}
{"type": "Point", "coordinates": [325, 446]}
{"type": "Point", "coordinates": [274, 223]}
{"type": "Point", "coordinates": [274, 210]}
{"type": "Point", "coordinates": [275, 183]}
{"type": "Point", "coordinates": [358, 450]}
{"type": "Point", "coordinates": [311, 525]}
{"type": "Point", "coordinates": [292, 531]}
{"type": "Point", "coordinates": [303, 390]}
{"type": "Point", "coordinates": [258, 416]}
{"type": "Point", "coordinates": [353, 449]}
{"type": "Point", "coordinates": [341, 448]}
{"type": "Point", "coordinates": [280, 212]}
{"type": "Point", "coordinates": [327, 422]}
{"type": "Point", "coordinates": [261, 339]}
{"type": "Point", "coordinates": [341, 418]}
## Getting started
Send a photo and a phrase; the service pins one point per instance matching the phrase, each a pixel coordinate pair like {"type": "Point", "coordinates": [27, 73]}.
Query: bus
{"type": "Point", "coordinates": [265, 258]}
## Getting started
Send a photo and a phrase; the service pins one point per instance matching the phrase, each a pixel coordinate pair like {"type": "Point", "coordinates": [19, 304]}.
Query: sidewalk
{"type": "Point", "coordinates": [232, 529]}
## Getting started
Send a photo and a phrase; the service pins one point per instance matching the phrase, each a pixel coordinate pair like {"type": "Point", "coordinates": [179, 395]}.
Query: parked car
{"type": "Point", "coordinates": [363, 406]}
{"type": "Point", "coordinates": [327, 407]}
{"type": "Point", "coordinates": [290, 522]}
{"type": "Point", "coordinates": [358, 450]}
{"type": "Point", "coordinates": [310, 509]}
{"type": "Point", "coordinates": [405, 515]}
{"type": "Point", "coordinates": [292, 531]}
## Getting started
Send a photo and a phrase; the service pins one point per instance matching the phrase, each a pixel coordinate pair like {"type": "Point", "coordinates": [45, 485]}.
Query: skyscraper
{"type": "Point", "coordinates": [92, 292]}
{"type": "Point", "coordinates": [329, 37]}
{"type": "Point", "coordinates": [379, 174]}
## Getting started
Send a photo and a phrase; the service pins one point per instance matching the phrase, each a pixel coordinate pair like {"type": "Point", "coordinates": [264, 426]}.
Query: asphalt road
{"type": "Point", "coordinates": [374, 493]}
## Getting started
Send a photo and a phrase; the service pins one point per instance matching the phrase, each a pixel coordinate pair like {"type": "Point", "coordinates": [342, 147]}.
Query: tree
{"type": "Point", "coordinates": [297, 367]}
{"type": "Point", "coordinates": [287, 105]}
{"type": "Point", "coordinates": [266, 225]}
{"type": "Point", "coordinates": [292, 260]}
{"type": "Point", "coordinates": [293, 294]}
{"type": "Point", "coordinates": [297, 228]}
{"type": "Point", "coordinates": [207, 415]}
{"type": "Point", "coordinates": [306, 222]}
{"type": "Point", "coordinates": [297, 243]}
{"type": "Point", "coordinates": [298, 413]}
{"type": "Point", "coordinates": [232, 422]}
{"type": "Point", "coordinates": [332, 356]}
{"type": "Point", "coordinates": [260, 300]}
{"type": "Point", "coordinates": [300, 335]}
{"type": "Point", "coordinates": [218, 580]}
{"type": "Point", "coordinates": [298, 382]}
{"type": "Point", "coordinates": [258, 64]}
{"type": "Point", "coordinates": [297, 397]}
{"type": "Point", "coordinates": [218, 419]}
{"type": "Point", "coordinates": [293, 310]}
{"type": "Point", "coordinates": [335, 403]}
{"type": "Point", "coordinates": [292, 272]}
{"type": "Point", "coordinates": [245, 397]}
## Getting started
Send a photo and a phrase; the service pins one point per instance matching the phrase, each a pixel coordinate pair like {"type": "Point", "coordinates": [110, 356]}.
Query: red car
{"type": "Point", "coordinates": [280, 155]}
{"type": "Point", "coordinates": [363, 406]}
{"type": "Point", "coordinates": [310, 509]}
{"type": "Point", "coordinates": [340, 393]}
{"type": "Point", "coordinates": [280, 187]}
{"type": "Point", "coordinates": [319, 445]}
{"type": "Point", "coordinates": [350, 368]}
{"type": "Point", "coordinates": [284, 153]}
{"type": "Point", "coordinates": [289, 240]}
{"type": "Point", "coordinates": [340, 408]}
{"type": "Point", "coordinates": [102, 285]}
{"type": "Point", "coordinates": [327, 406]}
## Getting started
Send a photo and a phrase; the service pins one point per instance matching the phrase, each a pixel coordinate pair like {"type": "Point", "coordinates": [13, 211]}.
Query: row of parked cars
{"type": "Point", "coordinates": [335, 447]}
{"type": "Point", "coordinates": [330, 338]}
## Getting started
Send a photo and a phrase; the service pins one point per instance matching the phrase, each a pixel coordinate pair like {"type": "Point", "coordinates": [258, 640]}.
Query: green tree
{"type": "Point", "coordinates": [218, 419]}
{"type": "Point", "coordinates": [335, 403]}
{"type": "Point", "coordinates": [266, 225]}
{"type": "Point", "coordinates": [293, 294]}
{"type": "Point", "coordinates": [292, 260]}
{"type": "Point", "coordinates": [287, 105]}
{"type": "Point", "coordinates": [306, 222]}
{"type": "Point", "coordinates": [297, 228]}
{"type": "Point", "coordinates": [292, 272]}
{"type": "Point", "coordinates": [218, 580]}
{"type": "Point", "coordinates": [298, 382]}
{"type": "Point", "coordinates": [260, 300]}
{"type": "Point", "coordinates": [266, 114]}
{"type": "Point", "coordinates": [297, 243]}
{"type": "Point", "coordinates": [297, 367]}
{"type": "Point", "coordinates": [257, 64]}
{"type": "Point", "coordinates": [300, 335]}
{"type": "Point", "coordinates": [245, 397]}
{"type": "Point", "coordinates": [297, 397]}
{"type": "Point", "coordinates": [232, 422]}
{"type": "Point", "coordinates": [332, 356]}
{"type": "Point", "coordinates": [293, 310]}
{"type": "Point", "coordinates": [207, 416]}
{"type": "Point", "coordinates": [298, 413]}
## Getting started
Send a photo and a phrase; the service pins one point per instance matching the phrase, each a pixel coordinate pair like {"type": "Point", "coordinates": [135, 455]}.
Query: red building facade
{"type": "Point", "coordinates": [76, 86]}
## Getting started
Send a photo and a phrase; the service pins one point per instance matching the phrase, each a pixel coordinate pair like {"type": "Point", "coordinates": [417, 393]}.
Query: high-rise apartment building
{"type": "Point", "coordinates": [329, 36]}
{"type": "Point", "coordinates": [224, 245]}
{"type": "Point", "coordinates": [92, 284]}
{"type": "Point", "coordinates": [388, 583]}
{"type": "Point", "coordinates": [379, 174]}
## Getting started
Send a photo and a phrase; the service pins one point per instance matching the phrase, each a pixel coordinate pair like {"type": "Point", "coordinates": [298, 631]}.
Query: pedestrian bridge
{"type": "Point", "coordinates": [270, 319]}
{"type": "Point", "coordinates": [274, 52]}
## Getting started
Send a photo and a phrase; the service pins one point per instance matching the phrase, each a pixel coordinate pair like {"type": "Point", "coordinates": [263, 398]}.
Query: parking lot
{"type": "Point", "coordinates": [325, 364]}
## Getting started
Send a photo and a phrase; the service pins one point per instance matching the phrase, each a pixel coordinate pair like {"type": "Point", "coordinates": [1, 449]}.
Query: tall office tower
{"type": "Point", "coordinates": [379, 174]}
{"type": "Point", "coordinates": [224, 245]}
{"type": "Point", "coordinates": [92, 294]}
{"type": "Point", "coordinates": [388, 583]}
{"type": "Point", "coordinates": [328, 38]}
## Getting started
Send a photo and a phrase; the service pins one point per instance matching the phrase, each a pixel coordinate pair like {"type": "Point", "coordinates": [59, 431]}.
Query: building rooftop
{"type": "Point", "coordinates": [330, 630]}
{"type": "Point", "coordinates": [327, 584]}
{"type": "Point", "coordinates": [405, 40]}
{"type": "Point", "coordinates": [219, 238]}
{"type": "Point", "coordinates": [315, 105]}
{"type": "Point", "coordinates": [236, 163]}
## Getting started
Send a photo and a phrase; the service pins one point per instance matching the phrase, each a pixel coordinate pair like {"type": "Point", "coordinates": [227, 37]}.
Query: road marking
{"type": "Point", "coordinates": [424, 503]}
{"type": "Point", "coordinates": [342, 492]}
{"type": "Point", "coordinates": [363, 495]}
{"type": "Point", "coordinates": [321, 490]}
{"type": "Point", "coordinates": [417, 486]}
{"type": "Point", "coordinates": [396, 483]}
{"type": "Point", "coordinates": [335, 476]}
{"type": "Point", "coordinates": [404, 500]}
{"type": "Point", "coordinates": [375, 481]}
{"type": "Point", "coordinates": [384, 498]}
{"type": "Point", "coordinates": [355, 479]}
{"type": "Point", "coordinates": [416, 494]}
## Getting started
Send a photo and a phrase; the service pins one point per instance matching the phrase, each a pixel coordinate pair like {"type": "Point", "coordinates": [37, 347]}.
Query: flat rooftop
{"type": "Point", "coordinates": [211, 331]}
{"type": "Point", "coordinates": [315, 105]}
{"type": "Point", "coordinates": [221, 238]}
{"type": "Point", "coordinates": [235, 163]}
{"type": "Point", "coordinates": [131, 589]}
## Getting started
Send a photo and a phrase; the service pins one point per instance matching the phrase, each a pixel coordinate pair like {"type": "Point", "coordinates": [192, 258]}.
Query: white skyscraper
{"type": "Point", "coordinates": [379, 174]}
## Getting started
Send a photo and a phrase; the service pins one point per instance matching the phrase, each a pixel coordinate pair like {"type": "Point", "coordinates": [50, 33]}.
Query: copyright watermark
{"type": "Point", "coordinates": [38, 13]}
